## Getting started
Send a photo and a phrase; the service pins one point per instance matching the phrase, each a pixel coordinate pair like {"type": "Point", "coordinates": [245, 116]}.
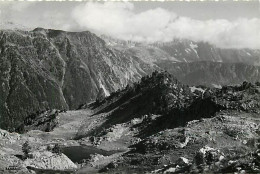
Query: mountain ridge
{"type": "Point", "coordinates": [48, 69]}
{"type": "Point", "coordinates": [184, 50]}
{"type": "Point", "coordinates": [185, 130]}
{"type": "Point", "coordinates": [69, 66]}
{"type": "Point", "coordinates": [211, 73]}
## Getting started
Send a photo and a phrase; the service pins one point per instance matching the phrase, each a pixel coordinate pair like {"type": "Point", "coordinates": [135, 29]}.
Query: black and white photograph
{"type": "Point", "coordinates": [124, 87]}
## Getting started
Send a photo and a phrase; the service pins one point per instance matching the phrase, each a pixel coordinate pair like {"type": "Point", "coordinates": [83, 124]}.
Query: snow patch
{"type": "Point", "coordinates": [193, 47]}
{"type": "Point", "coordinates": [136, 121]}
{"type": "Point", "coordinates": [187, 50]}
{"type": "Point", "coordinates": [116, 132]}
{"type": "Point", "coordinates": [185, 160]}
{"type": "Point", "coordinates": [221, 158]}
{"type": "Point", "coordinates": [187, 139]}
{"type": "Point", "coordinates": [206, 149]}
{"type": "Point", "coordinates": [216, 86]}
{"type": "Point", "coordinates": [172, 169]}
{"type": "Point", "coordinates": [105, 90]}
{"type": "Point", "coordinates": [193, 89]}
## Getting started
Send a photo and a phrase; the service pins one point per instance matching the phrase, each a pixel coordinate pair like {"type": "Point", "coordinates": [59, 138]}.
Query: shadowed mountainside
{"type": "Point", "coordinates": [45, 69]}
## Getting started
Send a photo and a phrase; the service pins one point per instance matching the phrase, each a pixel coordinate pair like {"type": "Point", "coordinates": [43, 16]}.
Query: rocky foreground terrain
{"type": "Point", "coordinates": [156, 125]}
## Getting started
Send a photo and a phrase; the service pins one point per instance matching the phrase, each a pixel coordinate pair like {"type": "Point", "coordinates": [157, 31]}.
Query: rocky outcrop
{"type": "Point", "coordinates": [101, 95]}
{"type": "Point", "coordinates": [222, 144]}
{"type": "Point", "coordinates": [45, 121]}
{"type": "Point", "coordinates": [51, 69]}
{"type": "Point", "coordinates": [159, 94]}
{"type": "Point", "coordinates": [49, 160]}
{"type": "Point", "coordinates": [208, 159]}
{"type": "Point", "coordinates": [244, 97]}
{"type": "Point", "coordinates": [156, 94]}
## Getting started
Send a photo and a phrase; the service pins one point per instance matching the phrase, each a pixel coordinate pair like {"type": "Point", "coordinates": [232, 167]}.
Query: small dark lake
{"type": "Point", "coordinates": [78, 153]}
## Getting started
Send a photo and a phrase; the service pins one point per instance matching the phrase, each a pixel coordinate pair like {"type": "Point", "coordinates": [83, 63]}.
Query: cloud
{"type": "Point", "coordinates": [21, 6]}
{"type": "Point", "coordinates": [119, 20]}
{"type": "Point", "coordinates": [29, 15]}
{"type": "Point", "coordinates": [10, 10]}
{"type": "Point", "coordinates": [55, 20]}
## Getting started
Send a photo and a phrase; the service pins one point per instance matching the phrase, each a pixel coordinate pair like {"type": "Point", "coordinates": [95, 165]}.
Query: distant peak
{"type": "Point", "coordinates": [39, 29]}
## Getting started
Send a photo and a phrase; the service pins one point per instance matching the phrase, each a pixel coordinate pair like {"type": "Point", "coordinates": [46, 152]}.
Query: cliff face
{"type": "Point", "coordinates": [27, 83]}
{"type": "Point", "coordinates": [45, 69]}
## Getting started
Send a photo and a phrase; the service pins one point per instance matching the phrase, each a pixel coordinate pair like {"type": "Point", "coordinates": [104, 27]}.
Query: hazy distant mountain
{"type": "Point", "coordinates": [211, 73]}
{"type": "Point", "coordinates": [181, 50]}
{"type": "Point", "coordinates": [13, 26]}
{"type": "Point", "coordinates": [196, 63]}
{"type": "Point", "coordinates": [189, 51]}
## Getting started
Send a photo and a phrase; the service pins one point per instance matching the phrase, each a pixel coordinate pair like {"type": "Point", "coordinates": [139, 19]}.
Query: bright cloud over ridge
{"type": "Point", "coordinates": [120, 21]}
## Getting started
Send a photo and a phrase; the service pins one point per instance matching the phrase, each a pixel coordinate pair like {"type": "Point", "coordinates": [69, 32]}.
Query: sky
{"type": "Point", "coordinates": [228, 24]}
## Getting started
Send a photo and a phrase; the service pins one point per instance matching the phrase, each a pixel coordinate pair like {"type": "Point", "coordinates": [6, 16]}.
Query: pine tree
{"type": "Point", "coordinates": [56, 149]}
{"type": "Point", "coordinates": [26, 148]}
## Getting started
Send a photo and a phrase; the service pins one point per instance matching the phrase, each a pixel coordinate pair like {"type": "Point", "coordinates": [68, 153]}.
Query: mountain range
{"type": "Point", "coordinates": [196, 63]}
{"type": "Point", "coordinates": [87, 104]}
{"type": "Point", "coordinates": [47, 69]}
{"type": "Point", "coordinates": [183, 50]}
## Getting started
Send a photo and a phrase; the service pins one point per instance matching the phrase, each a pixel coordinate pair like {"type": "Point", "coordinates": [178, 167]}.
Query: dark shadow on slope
{"type": "Point", "coordinates": [156, 94]}
{"type": "Point", "coordinates": [200, 108]}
